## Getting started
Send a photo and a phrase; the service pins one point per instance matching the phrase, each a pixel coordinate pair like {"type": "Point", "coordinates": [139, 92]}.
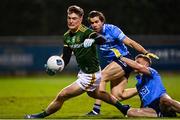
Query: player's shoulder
{"type": "Point", "coordinates": [84, 28]}
{"type": "Point", "coordinates": [110, 26]}
{"type": "Point", "coordinates": [153, 71]}
{"type": "Point", "coordinates": [150, 68]}
{"type": "Point", "coordinates": [66, 33]}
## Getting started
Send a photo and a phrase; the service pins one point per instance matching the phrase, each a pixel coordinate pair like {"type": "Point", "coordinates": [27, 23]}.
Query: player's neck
{"type": "Point", "coordinates": [75, 29]}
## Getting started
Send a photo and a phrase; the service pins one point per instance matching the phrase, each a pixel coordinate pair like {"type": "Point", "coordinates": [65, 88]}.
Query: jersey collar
{"type": "Point", "coordinates": [77, 29]}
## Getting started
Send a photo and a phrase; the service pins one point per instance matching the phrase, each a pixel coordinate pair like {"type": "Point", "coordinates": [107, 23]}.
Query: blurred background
{"type": "Point", "coordinates": [32, 30]}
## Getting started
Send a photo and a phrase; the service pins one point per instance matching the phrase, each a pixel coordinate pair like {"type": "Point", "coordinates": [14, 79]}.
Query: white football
{"type": "Point", "coordinates": [55, 63]}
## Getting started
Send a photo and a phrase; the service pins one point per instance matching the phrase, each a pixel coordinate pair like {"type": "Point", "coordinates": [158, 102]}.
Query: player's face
{"type": "Point", "coordinates": [142, 61]}
{"type": "Point", "coordinates": [73, 21]}
{"type": "Point", "coordinates": [96, 24]}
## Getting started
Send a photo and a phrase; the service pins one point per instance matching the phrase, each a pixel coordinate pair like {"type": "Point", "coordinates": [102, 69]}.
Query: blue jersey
{"type": "Point", "coordinates": [114, 37]}
{"type": "Point", "coordinates": [150, 87]}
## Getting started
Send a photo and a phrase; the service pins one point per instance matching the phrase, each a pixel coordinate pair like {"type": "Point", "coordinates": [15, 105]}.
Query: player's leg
{"type": "Point", "coordinates": [166, 100]}
{"type": "Point", "coordinates": [141, 112]}
{"type": "Point", "coordinates": [109, 98]}
{"type": "Point", "coordinates": [68, 92]}
{"type": "Point", "coordinates": [83, 83]}
{"type": "Point", "coordinates": [110, 72]}
{"type": "Point", "coordinates": [118, 89]}
{"type": "Point", "coordinates": [96, 110]}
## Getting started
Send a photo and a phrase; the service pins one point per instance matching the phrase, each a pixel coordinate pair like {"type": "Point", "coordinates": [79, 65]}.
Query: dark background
{"type": "Point", "coordinates": [32, 30]}
{"type": "Point", "coordinates": [48, 17]}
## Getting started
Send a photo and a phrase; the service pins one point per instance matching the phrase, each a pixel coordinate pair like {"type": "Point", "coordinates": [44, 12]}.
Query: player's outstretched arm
{"type": "Point", "coordinates": [99, 39]}
{"type": "Point", "coordinates": [135, 45]}
{"type": "Point", "coordinates": [136, 66]}
{"type": "Point", "coordinates": [94, 38]}
{"type": "Point", "coordinates": [67, 52]}
{"type": "Point", "coordinates": [139, 47]}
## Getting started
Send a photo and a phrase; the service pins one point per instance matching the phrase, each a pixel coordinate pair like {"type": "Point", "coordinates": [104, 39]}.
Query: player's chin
{"type": "Point", "coordinates": [97, 30]}
{"type": "Point", "coordinates": [71, 27]}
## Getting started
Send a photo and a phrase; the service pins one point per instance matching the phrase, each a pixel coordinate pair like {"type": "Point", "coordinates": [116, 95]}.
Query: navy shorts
{"type": "Point", "coordinates": [161, 113]}
{"type": "Point", "coordinates": [127, 69]}
{"type": "Point", "coordinates": [155, 105]}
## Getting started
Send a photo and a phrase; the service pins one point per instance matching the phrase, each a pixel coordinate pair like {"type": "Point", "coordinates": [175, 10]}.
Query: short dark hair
{"type": "Point", "coordinates": [97, 14]}
{"type": "Point", "coordinates": [146, 58]}
{"type": "Point", "coordinates": [75, 9]}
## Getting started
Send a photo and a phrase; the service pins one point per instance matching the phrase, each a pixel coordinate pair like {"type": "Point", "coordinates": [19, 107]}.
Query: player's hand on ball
{"type": "Point", "coordinates": [88, 42]}
{"type": "Point", "coordinates": [152, 55]}
{"type": "Point", "coordinates": [49, 71]}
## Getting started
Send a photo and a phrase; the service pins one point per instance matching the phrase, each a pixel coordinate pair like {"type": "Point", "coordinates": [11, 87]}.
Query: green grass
{"type": "Point", "coordinates": [31, 94]}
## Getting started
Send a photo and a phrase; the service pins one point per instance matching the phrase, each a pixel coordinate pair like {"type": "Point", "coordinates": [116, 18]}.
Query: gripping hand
{"type": "Point", "coordinates": [49, 71]}
{"type": "Point", "coordinates": [151, 55]}
{"type": "Point", "coordinates": [88, 42]}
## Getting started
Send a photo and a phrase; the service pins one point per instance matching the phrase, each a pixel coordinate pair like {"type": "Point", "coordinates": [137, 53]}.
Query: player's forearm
{"type": "Point", "coordinates": [130, 62]}
{"type": "Point", "coordinates": [136, 66]}
{"type": "Point", "coordinates": [139, 47]}
{"type": "Point", "coordinates": [66, 54]}
{"type": "Point", "coordinates": [134, 45]}
{"type": "Point", "coordinates": [99, 39]}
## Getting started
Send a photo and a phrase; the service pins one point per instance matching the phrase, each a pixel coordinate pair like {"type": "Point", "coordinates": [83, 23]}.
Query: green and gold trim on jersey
{"type": "Point", "coordinates": [66, 32]}
{"type": "Point", "coordinates": [81, 28]}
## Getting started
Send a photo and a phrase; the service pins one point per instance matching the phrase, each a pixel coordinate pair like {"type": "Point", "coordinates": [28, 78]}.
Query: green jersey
{"type": "Point", "coordinates": [86, 57]}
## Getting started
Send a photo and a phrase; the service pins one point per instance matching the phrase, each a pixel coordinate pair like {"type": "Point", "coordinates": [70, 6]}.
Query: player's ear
{"type": "Point", "coordinates": [147, 64]}
{"type": "Point", "coordinates": [81, 18]}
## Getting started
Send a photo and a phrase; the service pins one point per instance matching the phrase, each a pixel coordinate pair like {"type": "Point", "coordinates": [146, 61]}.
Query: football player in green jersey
{"type": "Point", "coordinates": [80, 40]}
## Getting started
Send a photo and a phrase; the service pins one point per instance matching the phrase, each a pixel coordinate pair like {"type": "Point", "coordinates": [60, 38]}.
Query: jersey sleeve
{"type": "Point", "coordinates": [152, 71]}
{"type": "Point", "coordinates": [99, 39]}
{"type": "Point", "coordinates": [117, 33]}
{"type": "Point", "coordinates": [67, 51]}
{"type": "Point", "coordinates": [64, 40]}
{"type": "Point", "coordinates": [88, 33]}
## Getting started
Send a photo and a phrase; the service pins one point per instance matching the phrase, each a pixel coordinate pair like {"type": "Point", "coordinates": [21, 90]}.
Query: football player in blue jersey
{"type": "Point", "coordinates": [155, 102]}
{"type": "Point", "coordinates": [116, 71]}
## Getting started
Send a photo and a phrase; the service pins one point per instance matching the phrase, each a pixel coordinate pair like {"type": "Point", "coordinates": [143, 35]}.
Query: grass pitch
{"type": "Point", "coordinates": [32, 94]}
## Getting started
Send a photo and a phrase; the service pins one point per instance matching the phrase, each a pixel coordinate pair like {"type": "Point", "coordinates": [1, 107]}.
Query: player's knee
{"type": "Point", "coordinates": [115, 94]}
{"type": "Point", "coordinates": [101, 91]}
{"type": "Point", "coordinates": [131, 113]}
{"type": "Point", "coordinates": [166, 102]}
{"type": "Point", "coordinates": [62, 96]}
{"type": "Point", "coordinates": [118, 95]}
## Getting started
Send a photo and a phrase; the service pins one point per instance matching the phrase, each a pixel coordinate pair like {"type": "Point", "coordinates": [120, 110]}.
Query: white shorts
{"type": "Point", "coordinates": [88, 82]}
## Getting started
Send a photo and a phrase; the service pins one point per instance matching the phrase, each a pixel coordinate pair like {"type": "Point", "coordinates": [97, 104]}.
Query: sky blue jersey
{"type": "Point", "coordinates": [114, 37]}
{"type": "Point", "coordinates": [149, 87]}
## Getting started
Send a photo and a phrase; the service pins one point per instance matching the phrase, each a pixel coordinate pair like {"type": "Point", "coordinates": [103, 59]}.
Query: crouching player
{"type": "Point", "coordinates": [155, 102]}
